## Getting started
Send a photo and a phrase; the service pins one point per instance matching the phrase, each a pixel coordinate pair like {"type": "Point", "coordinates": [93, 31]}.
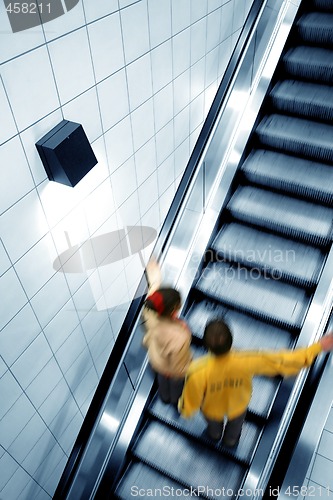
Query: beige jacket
{"type": "Point", "coordinates": [168, 343]}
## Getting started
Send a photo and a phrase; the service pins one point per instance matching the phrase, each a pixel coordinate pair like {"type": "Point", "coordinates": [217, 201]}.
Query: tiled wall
{"type": "Point", "coordinates": [140, 77]}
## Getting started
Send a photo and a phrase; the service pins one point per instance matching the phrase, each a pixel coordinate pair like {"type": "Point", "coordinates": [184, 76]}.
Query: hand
{"type": "Point", "coordinates": [154, 275]}
{"type": "Point", "coordinates": [327, 342]}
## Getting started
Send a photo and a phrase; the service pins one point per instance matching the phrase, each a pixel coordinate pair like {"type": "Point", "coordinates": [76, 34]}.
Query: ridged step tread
{"type": "Point", "coordinates": [303, 99]}
{"type": "Point", "coordinates": [310, 63]}
{"type": "Point", "coordinates": [196, 426]}
{"type": "Point", "coordinates": [283, 214]}
{"type": "Point", "coordinates": [316, 27]}
{"type": "Point", "coordinates": [270, 254]}
{"type": "Point", "coordinates": [184, 458]}
{"type": "Point", "coordinates": [140, 478]}
{"type": "Point", "coordinates": [298, 136]}
{"type": "Point", "coordinates": [324, 5]}
{"type": "Point", "coordinates": [287, 173]}
{"type": "Point", "coordinates": [247, 332]}
{"type": "Point", "coordinates": [268, 299]}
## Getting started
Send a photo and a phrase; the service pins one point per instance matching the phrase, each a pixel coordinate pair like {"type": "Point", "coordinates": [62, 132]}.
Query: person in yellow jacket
{"type": "Point", "coordinates": [220, 383]}
{"type": "Point", "coordinates": [167, 338]}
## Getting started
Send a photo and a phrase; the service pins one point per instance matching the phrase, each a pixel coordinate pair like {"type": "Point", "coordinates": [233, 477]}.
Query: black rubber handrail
{"type": "Point", "coordinates": [162, 240]}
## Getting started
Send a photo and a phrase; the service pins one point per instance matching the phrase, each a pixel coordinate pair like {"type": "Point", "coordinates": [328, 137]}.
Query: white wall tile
{"type": "Point", "coordinates": [84, 299]}
{"type": "Point", "coordinates": [215, 4]}
{"type": "Point", "coordinates": [182, 155]}
{"type": "Point", "coordinates": [45, 309]}
{"type": "Point", "coordinates": [36, 266]}
{"type": "Point", "coordinates": [124, 181]}
{"type": "Point", "coordinates": [41, 449]}
{"type": "Point", "coordinates": [162, 73]}
{"type": "Point", "coordinates": [163, 106]}
{"type": "Point", "coordinates": [182, 126]}
{"type": "Point", "coordinates": [31, 135]}
{"type": "Point", "coordinates": [3, 369]}
{"type": "Point", "coordinates": [25, 441]}
{"type": "Point", "coordinates": [14, 44]}
{"type": "Point", "coordinates": [128, 213]}
{"type": "Point", "coordinates": [139, 78]}
{"type": "Point", "coordinates": [143, 114]}
{"type": "Point", "coordinates": [126, 3]}
{"type": "Point", "coordinates": [211, 69]}
{"type": "Point", "coordinates": [15, 420]}
{"type": "Point", "coordinates": [10, 391]}
{"type": "Point", "coordinates": [165, 175]}
{"type": "Point", "coordinates": [6, 116]}
{"type": "Point", "coordinates": [197, 78]}
{"type": "Point", "coordinates": [197, 112]}
{"type": "Point", "coordinates": [159, 14]}
{"type": "Point", "coordinates": [61, 398]}
{"type": "Point", "coordinates": [71, 62]}
{"type": "Point", "coordinates": [94, 10]}
{"type": "Point", "coordinates": [181, 15]}
{"type": "Point", "coordinates": [86, 386]}
{"type": "Point", "coordinates": [73, 346]}
{"type": "Point", "coordinates": [84, 110]}
{"type": "Point", "coordinates": [30, 87]}
{"type": "Point", "coordinates": [213, 30]}
{"type": "Point", "coordinates": [17, 483]}
{"type": "Point", "coordinates": [119, 143]}
{"type": "Point", "coordinates": [71, 20]}
{"type": "Point", "coordinates": [198, 40]}
{"type": "Point", "coordinates": [148, 193]}
{"type": "Point", "coordinates": [12, 296]}
{"type": "Point", "coordinates": [44, 383]}
{"type": "Point", "coordinates": [15, 177]}
{"type": "Point", "coordinates": [227, 20]}
{"type": "Point", "coordinates": [8, 467]}
{"type": "Point", "coordinates": [145, 161]}
{"type": "Point", "coordinates": [18, 334]}
{"type": "Point", "coordinates": [31, 361]}
{"type": "Point", "coordinates": [181, 52]}
{"type": "Point", "coordinates": [5, 263]}
{"type": "Point", "coordinates": [181, 89]}
{"type": "Point", "coordinates": [113, 99]}
{"type": "Point", "coordinates": [134, 22]}
{"type": "Point", "coordinates": [28, 219]}
{"type": "Point", "coordinates": [62, 325]}
{"type": "Point", "coordinates": [165, 142]}
{"type": "Point", "coordinates": [99, 205]}
{"type": "Point", "coordinates": [106, 46]}
{"type": "Point", "coordinates": [198, 10]}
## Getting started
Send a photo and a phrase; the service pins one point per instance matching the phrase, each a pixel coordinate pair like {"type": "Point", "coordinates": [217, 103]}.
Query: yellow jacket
{"type": "Point", "coordinates": [168, 343]}
{"type": "Point", "coordinates": [222, 385]}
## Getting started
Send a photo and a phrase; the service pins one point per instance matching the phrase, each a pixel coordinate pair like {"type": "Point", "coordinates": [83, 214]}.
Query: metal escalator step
{"type": "Point", "coordinates": [248, 332]}
{"type": "Point", "coordinates": [291, 174]}
{"type": "Point", "coordinates": [196, 426]}
{"type": "Point", "coordinates": [312, 63]}
{"type": "Point", "coordinates": [264, 298]}
{"type": "Point", "coordinates": [270, 254]}
{"type": "Point", "coordinates": [303, 98]}
{"type": "Point", "coordinates": [298, 136]}
{"type": "Point", "coordinates": [185, 460]}
{"type": "Point", "coordinates": [296, 218]}
{"type": "Point", "coordinates": [144, 482]}
{"type": "Point", "coordinates": [316, 27]}
{"type": "Point", "coordinates": [325, 5]}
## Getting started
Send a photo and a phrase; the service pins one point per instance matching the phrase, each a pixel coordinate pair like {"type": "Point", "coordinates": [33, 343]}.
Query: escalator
{"type": "Point", "coordinates": [260, 269]}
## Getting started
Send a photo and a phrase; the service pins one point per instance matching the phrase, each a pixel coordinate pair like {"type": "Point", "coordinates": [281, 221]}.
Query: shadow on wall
{"type": "Point", "coordinates": [105, 249]}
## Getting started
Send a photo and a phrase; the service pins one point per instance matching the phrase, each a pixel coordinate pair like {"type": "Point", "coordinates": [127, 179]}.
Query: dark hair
{"type": "Point", "coordinates": [164, 301]}
{"type": "Point", "coordinates": [217, 337]}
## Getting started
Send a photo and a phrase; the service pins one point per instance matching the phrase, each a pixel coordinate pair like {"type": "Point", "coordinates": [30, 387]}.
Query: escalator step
{"type": "Point", "coordinates": [186, 460]}
{"type": "Point", "coordinates": [296, 218]}
{"type": "Point", "coordinates": [316, 27]}
{"type": "Point", "coordinates": [298, 136]}
{"type": "Point", "coordinates": [196, 426]}
{"type": "Point", "coordinates": [143, 481]}
{"type": "Point", "coordinates": [265, 298]}
{"type": "Point", "coordinates": [303, 99]}
{"type": "Point", "coordinates": [310, 63]}
{"type": "Point", "coordinates": [274, 255]}
{"type": "Point", "coordinates": [288, 173]}
{"type": "Point", "coordinates": [325, 5]}
{"type": "Point", "coordinates": [248, 332]}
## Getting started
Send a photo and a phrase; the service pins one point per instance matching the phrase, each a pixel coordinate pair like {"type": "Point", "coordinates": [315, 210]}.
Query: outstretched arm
{"type": "Point", "coordinates": [154, 276]}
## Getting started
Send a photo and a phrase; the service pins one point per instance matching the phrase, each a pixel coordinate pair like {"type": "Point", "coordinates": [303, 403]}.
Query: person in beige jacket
{"type": "Point", "coordinates": [220, 383]}
{"type": "Point", "coordinates": [167, 338]}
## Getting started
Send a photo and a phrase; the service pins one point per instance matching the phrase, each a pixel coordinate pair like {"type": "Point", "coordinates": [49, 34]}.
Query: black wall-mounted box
{"type": "Point", "coordinates": [66, 153]}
